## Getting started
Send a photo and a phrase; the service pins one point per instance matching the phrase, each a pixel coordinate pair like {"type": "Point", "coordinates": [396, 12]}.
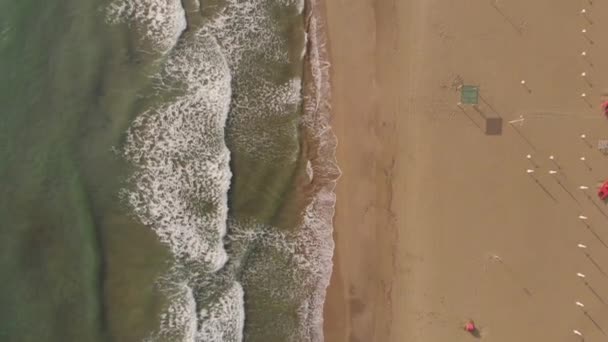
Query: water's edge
{"type": "Point", "coordinates": [209, 98]}
{"type": "Point", "coordinates": [317, 123]}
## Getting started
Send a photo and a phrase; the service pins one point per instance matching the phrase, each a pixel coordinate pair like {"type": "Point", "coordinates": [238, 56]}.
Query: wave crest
{"type": "Point", "coordinates": [159, 22]}
{"type": "Point", "coordinates": [183, 173]}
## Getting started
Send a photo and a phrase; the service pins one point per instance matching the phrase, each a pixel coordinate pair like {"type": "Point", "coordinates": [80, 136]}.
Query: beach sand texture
{"type": "Point", "coordinates": [437, 222]}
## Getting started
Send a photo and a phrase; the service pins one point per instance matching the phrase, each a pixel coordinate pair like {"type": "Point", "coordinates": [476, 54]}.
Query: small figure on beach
{"type": "Point", "coordinates": [602, 192]}
{"type": "Point", "coordinates": [470, 327]}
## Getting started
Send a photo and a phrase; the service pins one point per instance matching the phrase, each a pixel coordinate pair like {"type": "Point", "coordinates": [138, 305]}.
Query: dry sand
{"type": "Point", "coordinates": [426, 198]}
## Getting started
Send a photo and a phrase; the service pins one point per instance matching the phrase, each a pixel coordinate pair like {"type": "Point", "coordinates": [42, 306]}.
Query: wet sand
{"type": "Point", "coordinates": [437, 222]}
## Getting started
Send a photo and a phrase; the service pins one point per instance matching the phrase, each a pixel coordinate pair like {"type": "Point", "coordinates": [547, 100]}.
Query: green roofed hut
{"type": "Point", "coordinates": [469, 95]}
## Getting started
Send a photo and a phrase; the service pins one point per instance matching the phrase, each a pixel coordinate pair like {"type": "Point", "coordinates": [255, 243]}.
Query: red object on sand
{"type": "Point", "coordinates": [602, 193]}
{"type": "Point", "coordinates": [470, 326]}
{"type": "Point", "coordinates": [605, 108]}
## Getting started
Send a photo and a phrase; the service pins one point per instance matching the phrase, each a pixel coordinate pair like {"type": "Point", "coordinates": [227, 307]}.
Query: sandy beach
{"type": "Point", "coordinates": [436, 221]}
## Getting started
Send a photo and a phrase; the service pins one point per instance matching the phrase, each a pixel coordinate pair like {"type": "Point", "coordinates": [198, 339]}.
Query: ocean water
{"type": "Point", "coordinates": [167, 171]}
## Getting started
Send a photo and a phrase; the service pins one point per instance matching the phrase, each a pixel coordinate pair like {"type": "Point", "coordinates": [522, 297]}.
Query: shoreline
{"type": "Point", "coordinates": [358, 306]}
{"type": "Point", "coordinates": [319, 146]}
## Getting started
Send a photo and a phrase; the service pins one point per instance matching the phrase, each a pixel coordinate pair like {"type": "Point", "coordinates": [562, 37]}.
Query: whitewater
{"type": "Point", "coordinates": [208, 90]}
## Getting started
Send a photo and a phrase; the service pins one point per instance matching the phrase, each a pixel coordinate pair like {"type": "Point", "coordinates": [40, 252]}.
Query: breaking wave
{"type": "Point", "coordinates": [158, 22]}
{"type": "Point", "coordinates": [183, 171]}
{"type": "Point", "coordinates": [209, 85]}
{"type": "Point", "coordinates": [181, 182]}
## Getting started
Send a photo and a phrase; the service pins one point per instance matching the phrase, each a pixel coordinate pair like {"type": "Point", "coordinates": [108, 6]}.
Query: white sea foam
{"type": "Point", "coordinates": [181, 182]}
{"type": "Point", "coordinates": [310, 172]}
{"type": "Point", "coordinates": [182, 174]}
{"type": "Point", "coordinates": [245, 26]}
{"type": "Point", "coordinates": [247, 33]}
{"type": "Point", "coordinates": [309, 250]}
{"type": "Point", "coordinates": [316, 235]}
{"type": "Point", "coordinates": [318, 219]}
{"type": "Point", "coordinates": [300, 5]}
{"type": "Point", "coordinates": [160, 22]}
{"type": "Point", "coordinates": [220, 321]}
{"type": "Point", "coordinates": [179, 322]}
{"type": "Point", "coordinates": [223, 321]}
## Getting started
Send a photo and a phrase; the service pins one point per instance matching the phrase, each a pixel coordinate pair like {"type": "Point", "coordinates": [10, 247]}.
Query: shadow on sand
{"type": "Point", "coordinates": [475, 333]}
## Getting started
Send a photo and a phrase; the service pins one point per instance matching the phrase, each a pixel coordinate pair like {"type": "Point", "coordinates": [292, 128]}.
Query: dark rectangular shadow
{"type": "Point", "coordinates": [494, 126]}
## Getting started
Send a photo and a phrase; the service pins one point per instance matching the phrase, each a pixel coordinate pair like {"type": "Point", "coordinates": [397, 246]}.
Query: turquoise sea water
{"type": "Point", "coordinates": [155, 182]}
